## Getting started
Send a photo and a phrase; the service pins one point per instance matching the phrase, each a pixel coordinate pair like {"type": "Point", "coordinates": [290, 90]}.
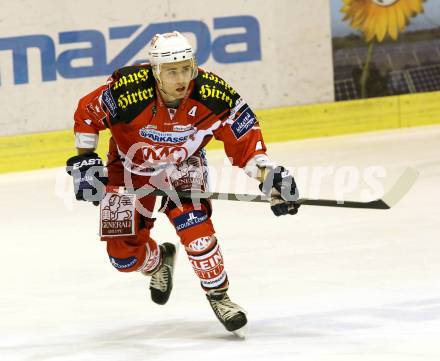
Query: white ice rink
{"type": "Point", "coordinates": [327, 284]}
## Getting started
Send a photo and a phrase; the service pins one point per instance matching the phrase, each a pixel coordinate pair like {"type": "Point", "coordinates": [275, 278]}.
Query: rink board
{"type": "Point", "coordinates": [45, 150]}
{"type": "Point", "coordinates": [50, 56]}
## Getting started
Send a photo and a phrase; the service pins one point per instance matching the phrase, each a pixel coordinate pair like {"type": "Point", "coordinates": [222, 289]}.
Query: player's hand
{"type": "Point", "coordinates": [281, 187]}
{"type": "Point", "coordinates": [89, 177]}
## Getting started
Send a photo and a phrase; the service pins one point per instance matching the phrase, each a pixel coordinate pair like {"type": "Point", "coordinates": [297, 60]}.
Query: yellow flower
{"type": "Point", "coordinates": [379, 18]}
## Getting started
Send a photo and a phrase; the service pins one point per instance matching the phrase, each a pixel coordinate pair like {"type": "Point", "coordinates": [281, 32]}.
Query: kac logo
{"type": "Point", "coordinates": [63, 64]}
{"type": "Point", "coordinates": [201, 244]}
{"type": "Point", "coordinates": [164, 154]}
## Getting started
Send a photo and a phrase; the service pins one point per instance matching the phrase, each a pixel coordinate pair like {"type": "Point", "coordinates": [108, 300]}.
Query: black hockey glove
{"type": "Point", "coordinates": [89, 177]}
{"type": "Point", "coordinates": [281, 187]}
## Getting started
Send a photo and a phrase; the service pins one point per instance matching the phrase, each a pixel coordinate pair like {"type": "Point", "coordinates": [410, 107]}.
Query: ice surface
{"type": "Point", "coordinates": [328, 284]}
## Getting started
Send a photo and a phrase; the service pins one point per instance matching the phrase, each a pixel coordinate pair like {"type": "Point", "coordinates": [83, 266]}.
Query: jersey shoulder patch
{"type": "Point", "coordinates": [213, 92]}
{"type": "Point", "coordinates": [131, 89]}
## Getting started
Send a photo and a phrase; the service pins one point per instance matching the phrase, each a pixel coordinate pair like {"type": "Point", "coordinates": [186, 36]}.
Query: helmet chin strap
{"type": "Point", "coordinates": [174, 100]}
{"type": "Point", "coordinates": [163, 90]}
{"type": "Point", "coordinates": [157, 77]}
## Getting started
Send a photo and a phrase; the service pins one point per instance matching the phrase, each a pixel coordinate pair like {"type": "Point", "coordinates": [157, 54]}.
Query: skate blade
{"type": "Point", "coordinates": [241, 332]}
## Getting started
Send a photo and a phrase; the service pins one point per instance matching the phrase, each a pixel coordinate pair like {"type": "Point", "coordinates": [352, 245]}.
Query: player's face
{"type": "Point", "coordinates": [175, 78]}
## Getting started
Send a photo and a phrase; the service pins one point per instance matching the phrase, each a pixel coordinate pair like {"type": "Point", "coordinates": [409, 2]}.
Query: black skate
{"type": "Point", "coordinates": [228, 313]}
{"type": "Point", "coordinates": [161, 282]}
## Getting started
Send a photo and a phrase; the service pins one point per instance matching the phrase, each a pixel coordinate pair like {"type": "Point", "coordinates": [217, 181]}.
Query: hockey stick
{"type": "Point", "coordinates": [397, 191]}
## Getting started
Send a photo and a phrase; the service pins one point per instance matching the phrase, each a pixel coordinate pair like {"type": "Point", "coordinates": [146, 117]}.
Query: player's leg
{"type": "Point", "coordinates": [129, 244]}
{"type": "Point", "coordinates": [137, 252]}
{"type": "Point", "coordinates": [196, 232]}
{"type": "Point", "coordinates": [197, 235]}
{"type": "Point", "coordinates": [141, 253]}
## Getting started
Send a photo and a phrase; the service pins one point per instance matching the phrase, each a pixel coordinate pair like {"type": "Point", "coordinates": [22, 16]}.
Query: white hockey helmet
{"type": "Point", "coordinates": [170, 48]}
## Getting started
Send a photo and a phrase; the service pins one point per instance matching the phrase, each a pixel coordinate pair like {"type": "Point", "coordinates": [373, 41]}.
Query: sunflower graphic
{"type": "Point", "coordinates": [378, 19]}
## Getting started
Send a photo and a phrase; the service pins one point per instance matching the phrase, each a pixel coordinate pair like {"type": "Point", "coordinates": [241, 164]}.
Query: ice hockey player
{"type": "Point", "coordinates": [161, 115]}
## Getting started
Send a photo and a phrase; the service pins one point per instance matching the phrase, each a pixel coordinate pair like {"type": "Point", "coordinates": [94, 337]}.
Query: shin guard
{"type": "Point", "coordinates": [207, 261]}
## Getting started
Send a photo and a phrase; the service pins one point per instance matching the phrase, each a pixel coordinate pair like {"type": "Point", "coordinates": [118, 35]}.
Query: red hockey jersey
{"type": "Point", "coordinates": [150, 136]}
